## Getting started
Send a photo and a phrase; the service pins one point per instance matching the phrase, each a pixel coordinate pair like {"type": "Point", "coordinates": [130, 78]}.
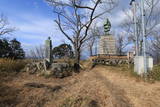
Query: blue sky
{"type": "Point", "coordinates": [34, 21]}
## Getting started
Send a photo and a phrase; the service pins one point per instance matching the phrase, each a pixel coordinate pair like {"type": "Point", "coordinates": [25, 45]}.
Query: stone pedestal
{"type": "Point", "coordinates": [107, 45]}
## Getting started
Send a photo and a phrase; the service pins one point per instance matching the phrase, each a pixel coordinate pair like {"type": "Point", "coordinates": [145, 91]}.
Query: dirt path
{"type": "Point", "coordinates": [128, 90]}
{"type": "Point", "coordinates": [118, 95]}
{"type": "Point", "coordinates": [99, 87]}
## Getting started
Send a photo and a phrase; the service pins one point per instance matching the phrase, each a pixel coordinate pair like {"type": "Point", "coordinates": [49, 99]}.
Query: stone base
{"type": "Point", "coordinates": [107, 45]}
{"type": "Point", "coordinates": [139, 64]}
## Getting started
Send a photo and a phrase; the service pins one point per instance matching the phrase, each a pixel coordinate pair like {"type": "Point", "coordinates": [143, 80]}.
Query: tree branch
{"type": "Point", "coordinates": [60, 27]}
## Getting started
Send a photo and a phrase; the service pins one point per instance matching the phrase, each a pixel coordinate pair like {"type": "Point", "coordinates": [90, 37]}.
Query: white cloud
{"type": "Point", "coordinates": [116, 16]}
{"type": "Point", "coordinates": [33, 30]}
{"type": "Point", "coordinates": [119, 17]}
{"type": "Point", "coordinates": [35, 24]}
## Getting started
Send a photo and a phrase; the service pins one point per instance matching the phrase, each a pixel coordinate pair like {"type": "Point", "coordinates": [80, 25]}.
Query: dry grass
{"type": "Point", "coordinates": [155, 73]}
{"type": "Point", "coordinates": [78, 101]}
{"type": "Point", "coordinates": [139, 93]}
{"type": "Point", "coordinates": [86, 64]}
{"type": "Point", "coordinates": [80, 90]}
{"type": "Point", "coordinates": [103, 86]}
{"type": "Point", "coordinates": [126, 70]}
{"type": "Point", "coordinates": [10, 65]}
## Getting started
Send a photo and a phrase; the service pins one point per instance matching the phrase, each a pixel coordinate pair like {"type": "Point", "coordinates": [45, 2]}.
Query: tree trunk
{"type": "Point", "coordinates": [90, 50]}
{"type": "Point", "coordinates": [77, 59]}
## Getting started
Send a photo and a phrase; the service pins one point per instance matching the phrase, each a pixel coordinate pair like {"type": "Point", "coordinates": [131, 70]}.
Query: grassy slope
{"type": "Point", "coordinates": [102, 86]}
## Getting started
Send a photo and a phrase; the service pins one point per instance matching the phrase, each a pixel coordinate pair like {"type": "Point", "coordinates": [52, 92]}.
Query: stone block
{"type": "Point", "coordinates": [139, 64]}
{"type": "Point", "coordinates": [107, 45]}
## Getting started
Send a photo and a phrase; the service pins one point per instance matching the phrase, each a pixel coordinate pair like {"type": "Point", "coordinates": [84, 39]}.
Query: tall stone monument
{"type": "Point", "coordinates": [48, 50]}
{"type": "Point", "coordinates": [107, 43]}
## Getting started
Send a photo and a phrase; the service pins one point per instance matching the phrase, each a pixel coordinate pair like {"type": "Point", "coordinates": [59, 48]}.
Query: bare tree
{"type": "Point", "coordinates": [4, 26]}
{"type": "Point", "coordinates": [90, 45]}
{"type": "Point", "coordinates": [74, 18]}
{"type": "Point", "coordinates": [152, 20]}
{"type": "Point", "coordinates": [38, 52]}
{"type": "Point", "coordinates": [94, 33]}
{"type": "Point", "coordinates": [154, 48]}
{"type": "Point", "coordinates": [121, 43]}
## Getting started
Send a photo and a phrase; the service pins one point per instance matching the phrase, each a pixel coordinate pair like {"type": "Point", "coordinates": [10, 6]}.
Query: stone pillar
{"type": "Point", "coordinates": [48, 50]}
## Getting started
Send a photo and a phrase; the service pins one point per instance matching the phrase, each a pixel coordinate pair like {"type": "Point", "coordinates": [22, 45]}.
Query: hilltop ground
{"type": "Point", "coordinates": [99, 87]}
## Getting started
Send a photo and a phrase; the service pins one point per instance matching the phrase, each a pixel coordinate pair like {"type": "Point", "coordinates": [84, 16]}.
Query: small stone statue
{"type": "Point", "coordinates": [48, 50]}
{"type": "Point", "coordinates": [107, 26]}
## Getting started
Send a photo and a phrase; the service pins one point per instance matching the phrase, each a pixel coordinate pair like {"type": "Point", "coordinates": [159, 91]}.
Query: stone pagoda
{"type": "Point", "coordinates": [107, 43]}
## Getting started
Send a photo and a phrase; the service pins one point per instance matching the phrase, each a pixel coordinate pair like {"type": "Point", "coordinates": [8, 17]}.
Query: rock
{"type": "Point", "coordinates": [56, 88]}
{"type": "Point", "coordinates": [38, 85]}
{"type": "Point", "coordinates": [59, 66]}
{"type": "Point", "coordinates": [58, 70]}
{"type": "Point", "coordinates": [93, 103]}
{"type": "Point", "coordinates": [34, 85]}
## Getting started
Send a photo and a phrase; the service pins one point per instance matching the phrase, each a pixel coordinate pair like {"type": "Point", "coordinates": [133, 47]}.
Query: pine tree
{"type": "Point", "coordinates": [5, 49]}
{"type": "Point", "coordinates": [17, 51]}
{"type": "Point", "coordinates": [63, 50]}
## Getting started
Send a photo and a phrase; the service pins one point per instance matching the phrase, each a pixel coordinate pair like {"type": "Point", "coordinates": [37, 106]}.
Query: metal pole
{"type": "Point", "coordinates": [144, 36]}
{"type": "Point", "coordinates": [135, 27]}
{"type": "Point", "coordinates": [96, 52]}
